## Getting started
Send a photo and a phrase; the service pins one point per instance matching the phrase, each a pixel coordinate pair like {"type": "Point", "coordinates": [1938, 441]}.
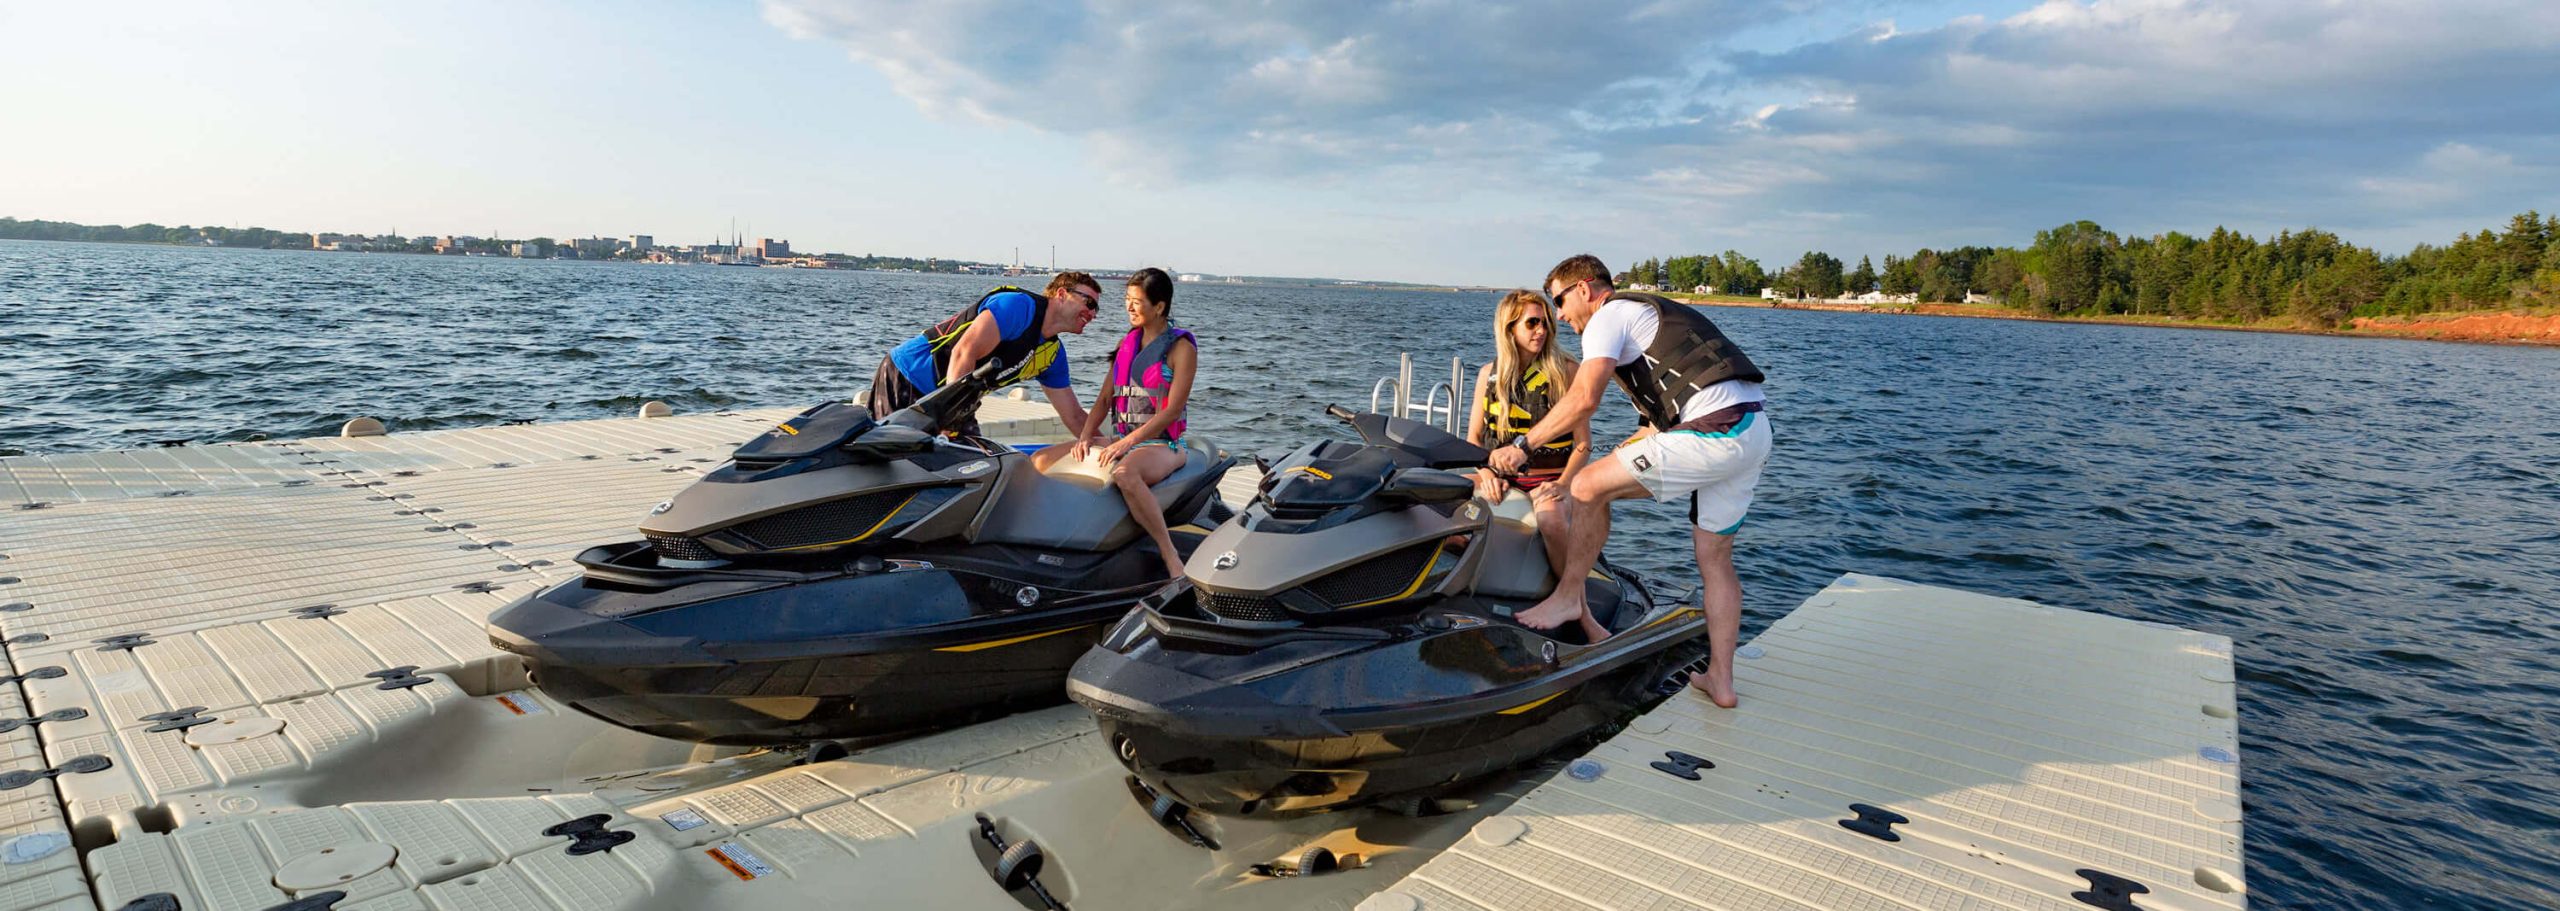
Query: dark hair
{"type": "Point", "coordinates": [1578, 268]}
{"type": "Point", "coordinates": [1066, 280]}
{"type": "Point", "coordinates": [1156, 285]}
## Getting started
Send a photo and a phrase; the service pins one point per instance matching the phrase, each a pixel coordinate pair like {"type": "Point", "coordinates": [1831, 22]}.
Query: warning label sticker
{"type": "Point", "coordinates": [684, 819]}
{"type": "Point", "coordinates": [522, 704]}
{"type": "Point", "coordinates": [739, 860]}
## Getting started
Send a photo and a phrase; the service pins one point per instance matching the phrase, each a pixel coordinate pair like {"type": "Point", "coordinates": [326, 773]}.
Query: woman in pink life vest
{"type": "Point", "coordinates": [1144, 398]}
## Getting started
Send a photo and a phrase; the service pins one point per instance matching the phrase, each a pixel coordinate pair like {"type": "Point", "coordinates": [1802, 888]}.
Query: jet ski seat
{"type": "Point", "coordinates": [1517, 566]}
{"type": "Point", "coordinates": [1074, 506]}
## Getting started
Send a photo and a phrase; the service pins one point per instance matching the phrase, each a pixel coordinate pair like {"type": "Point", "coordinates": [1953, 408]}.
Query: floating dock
{"type": "Point", "coordinates": [249, 676]}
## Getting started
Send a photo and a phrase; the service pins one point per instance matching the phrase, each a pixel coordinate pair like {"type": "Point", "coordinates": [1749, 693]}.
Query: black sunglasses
{"type": "Point", "coordinates": [1535, 322]}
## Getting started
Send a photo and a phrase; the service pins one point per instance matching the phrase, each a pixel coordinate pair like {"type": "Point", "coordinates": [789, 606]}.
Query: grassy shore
{"type": "Point", "coordinates": [2532, 326]}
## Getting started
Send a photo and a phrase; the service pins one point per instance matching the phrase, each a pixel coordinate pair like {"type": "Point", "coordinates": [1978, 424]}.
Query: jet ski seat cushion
{"type": "Point", "coordinates": [1517, 566]}
{"type": "Point", "coordinates": [1076, 508]}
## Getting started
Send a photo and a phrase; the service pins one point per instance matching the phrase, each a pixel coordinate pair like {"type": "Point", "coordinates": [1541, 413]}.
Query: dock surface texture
{"type": "Point", "coordinates": [1999, 754]}
{"type": "Point", "coordinates": [249, 676]}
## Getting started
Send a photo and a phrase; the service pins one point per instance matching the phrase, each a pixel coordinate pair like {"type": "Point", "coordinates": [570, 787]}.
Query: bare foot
{"type": "Point", "coordinates": [1592, 631]}
{"type": "Point", "coordinates": [1552, 613]}
{"type": "Point", "coordinates": [1718, 686]}
{"type": "Point", "coordinates": [1173, 569]}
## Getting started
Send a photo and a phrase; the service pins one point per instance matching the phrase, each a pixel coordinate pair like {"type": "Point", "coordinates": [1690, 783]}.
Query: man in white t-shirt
{"type": "Point", "coordinates": [1705, 435]}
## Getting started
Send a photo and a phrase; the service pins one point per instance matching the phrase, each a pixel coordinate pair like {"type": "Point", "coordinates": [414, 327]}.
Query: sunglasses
{"type": "Point", "coordinates": [1558, 297]}
{"type": "Point", "coordinates": [1534, 322]}
{"type": "Point", "coordinates": [1092, 301]}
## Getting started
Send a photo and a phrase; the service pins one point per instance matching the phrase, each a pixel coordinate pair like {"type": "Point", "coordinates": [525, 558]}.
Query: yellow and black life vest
{"type": "Point", "coordinates": [1531, 399]}
{"type": "Point", "coordinates": [1026, 354]}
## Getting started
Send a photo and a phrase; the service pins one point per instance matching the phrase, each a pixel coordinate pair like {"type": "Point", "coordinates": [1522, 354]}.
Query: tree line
{"type": "Point", "coordinates": [2080, 269]}
{"type": "Point", "coordinates": [267, 239]}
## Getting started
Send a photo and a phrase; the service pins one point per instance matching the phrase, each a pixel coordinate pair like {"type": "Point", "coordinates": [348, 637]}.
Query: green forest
{"type": "Point", "coordinates": [2311, 276]}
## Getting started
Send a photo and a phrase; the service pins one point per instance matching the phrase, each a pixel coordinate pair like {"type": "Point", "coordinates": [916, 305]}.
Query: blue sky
{"type": "Point", "coordinates": [1467, 142]}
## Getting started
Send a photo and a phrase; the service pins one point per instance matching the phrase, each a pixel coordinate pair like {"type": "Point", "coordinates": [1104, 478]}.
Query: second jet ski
{"type": "Point", "coordinates": [1348, 639]}
{"type": "Point", "coordinates": [846, 579]}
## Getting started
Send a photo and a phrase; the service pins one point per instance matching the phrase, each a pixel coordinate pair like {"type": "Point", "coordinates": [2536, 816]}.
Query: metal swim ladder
{"type": "Point", "coordinates": [1396, 392]}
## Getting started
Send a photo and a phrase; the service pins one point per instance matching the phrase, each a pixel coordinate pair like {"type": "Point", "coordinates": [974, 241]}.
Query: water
{"type": "Point", "coordinates": [2372, 521]}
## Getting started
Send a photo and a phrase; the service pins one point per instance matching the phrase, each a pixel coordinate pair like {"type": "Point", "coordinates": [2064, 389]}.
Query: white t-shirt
{"type": "Point", "coordinates": [1623, 329]}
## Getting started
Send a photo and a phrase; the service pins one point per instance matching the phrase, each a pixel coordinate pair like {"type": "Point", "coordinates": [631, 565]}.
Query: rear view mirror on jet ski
{"type": "Point", "coordinates": [935, 583]}
{"type": "Point", "coordinates": [1347, 639]}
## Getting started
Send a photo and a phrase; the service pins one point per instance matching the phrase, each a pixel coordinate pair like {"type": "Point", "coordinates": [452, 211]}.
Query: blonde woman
{"type": "Point", "coordinates": [1527, 377]}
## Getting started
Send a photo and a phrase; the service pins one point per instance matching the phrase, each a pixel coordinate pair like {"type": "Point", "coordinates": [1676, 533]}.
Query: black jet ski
{"type": "Point", "coordinates": [845, 579]}
{"type": "Point", "coordinates": [1348, 639]}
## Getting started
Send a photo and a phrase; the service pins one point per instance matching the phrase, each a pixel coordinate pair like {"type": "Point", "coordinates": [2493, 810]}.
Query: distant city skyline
{"type": "Point", "coordinates": [1470, 144]}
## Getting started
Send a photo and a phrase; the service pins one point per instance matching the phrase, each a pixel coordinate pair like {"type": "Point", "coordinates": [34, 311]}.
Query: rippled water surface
{"type": "Point", "coordinates": [2377, 523]}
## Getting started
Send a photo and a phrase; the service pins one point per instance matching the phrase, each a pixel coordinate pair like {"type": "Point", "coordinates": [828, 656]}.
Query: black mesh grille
{"type": "Point", "coordinates": [681, 548]}
{"type": "Point", "coordinates": [1372, 580]}
{"type": "Point", "coordinates": [832, 521]}
{"type": "Point", "coordinates": [1254, 608]}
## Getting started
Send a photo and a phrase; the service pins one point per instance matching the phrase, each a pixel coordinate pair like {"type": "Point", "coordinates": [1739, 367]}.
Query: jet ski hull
{"type": "Point", "coordinates": [764, 658]}
{"type": "Point", "coordinates": [1345, 722]}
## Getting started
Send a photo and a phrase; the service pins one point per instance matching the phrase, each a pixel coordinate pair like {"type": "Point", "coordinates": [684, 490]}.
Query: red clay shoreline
{"type": "Point", "coordinates": [2495, 327]}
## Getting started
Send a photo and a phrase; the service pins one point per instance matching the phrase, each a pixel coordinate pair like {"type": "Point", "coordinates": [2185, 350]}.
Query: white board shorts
{"type": "Point", "coordinates": [1716, 470]}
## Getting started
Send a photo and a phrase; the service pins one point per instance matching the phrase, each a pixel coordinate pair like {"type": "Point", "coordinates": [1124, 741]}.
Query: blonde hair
{"type": "Point", "coordinates": [1510, 363]}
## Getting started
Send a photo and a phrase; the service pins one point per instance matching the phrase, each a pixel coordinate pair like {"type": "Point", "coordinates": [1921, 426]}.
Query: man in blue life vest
{"type": "Point", "coordinates": [1704, 435]}
{"type": "Point", "coordinates": [1011, 326]}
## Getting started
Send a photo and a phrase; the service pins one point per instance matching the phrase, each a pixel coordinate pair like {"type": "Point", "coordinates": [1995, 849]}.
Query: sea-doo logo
{"type": "Point", "coordinates": [1225, 561]}
{"type": "Point", "coordinates": [974, 468]}
{"type": "Point", "coordinates": [1643, 464]}
{"type": "Point", "coordinates": [1471, 512]}
{"type": "Point", "coordinates": [662, 507]}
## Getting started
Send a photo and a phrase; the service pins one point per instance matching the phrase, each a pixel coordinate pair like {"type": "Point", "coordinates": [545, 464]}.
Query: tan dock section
{"type": "Point", "coordinates": [197, 640]}
{"type": "Point", "coordinates": [2023, 744]}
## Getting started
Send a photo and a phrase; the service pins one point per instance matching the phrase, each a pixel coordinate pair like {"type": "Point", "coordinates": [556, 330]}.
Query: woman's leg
{"type": "Point", "coordinates": [1136, 472]}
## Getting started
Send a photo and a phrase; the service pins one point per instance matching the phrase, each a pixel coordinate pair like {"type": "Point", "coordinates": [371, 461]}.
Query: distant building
{"type": "Point", "coordinates": [595, 246]}
{"type": "Point", "coordinates": [641, 243]}
{"type": "Point", "coordinates": [1190, 276]}
{"type": "Point", "coordinates": [1976, 297]}
{"type": "Point", "coordinates": [769, 248]}
{"type": "Point", "coordinates": [1769, 294]}
{"type": "Point", "coordinates": [422, 241]}
{"type": "Point", "coordinates": [525, 249]}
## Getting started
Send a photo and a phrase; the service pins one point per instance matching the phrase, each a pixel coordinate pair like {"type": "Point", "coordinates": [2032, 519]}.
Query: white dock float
{"type": "Point", "coordinates": [260, 584]}
{"type": "Point", "coordinates": [2023, 744]}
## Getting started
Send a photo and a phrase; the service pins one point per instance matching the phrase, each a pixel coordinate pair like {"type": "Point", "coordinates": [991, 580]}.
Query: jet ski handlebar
{"type": "Point", "coordinates": [1436, 448]}
{"type": "Point", "coordinates": [935, 408]}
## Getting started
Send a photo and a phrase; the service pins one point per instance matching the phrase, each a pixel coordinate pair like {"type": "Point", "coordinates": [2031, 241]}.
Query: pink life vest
{"type": "Point", "coordinates": [1149, 368]}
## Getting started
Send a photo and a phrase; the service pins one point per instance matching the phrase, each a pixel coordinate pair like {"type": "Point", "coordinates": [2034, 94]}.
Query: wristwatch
{"type": "Point", "coordinates": [1520, 442]}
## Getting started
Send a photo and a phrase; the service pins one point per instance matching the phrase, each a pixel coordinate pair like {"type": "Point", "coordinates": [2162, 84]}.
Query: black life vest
{"type": "Point", "coordinates": [1688, 354]}
{"type": "Point", "coordinates": [1531, 398]}
{"type": "Point", "coordinates": [1025, 356]}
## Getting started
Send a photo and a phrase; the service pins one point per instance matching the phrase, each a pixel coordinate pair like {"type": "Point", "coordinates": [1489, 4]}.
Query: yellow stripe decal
{"type": "Point", "coordinates": [997, 643]}
{"type": "Point", "coordinates": [875, 526]}
{"type": "Point", "coordinates": [1417, 579]}
{"type": "Point", "coordinates": [1517, 709]}
{"type": "Point", "coordinates": [786, 428]}
{"type": "Point", "coordinates": [1318, 472]}
{"type": "Point", "coordinates": [1674, 615]}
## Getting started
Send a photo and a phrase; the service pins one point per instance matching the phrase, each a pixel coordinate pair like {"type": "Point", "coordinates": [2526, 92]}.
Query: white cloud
{"type": "Point", "coordinates": [2145, 114]}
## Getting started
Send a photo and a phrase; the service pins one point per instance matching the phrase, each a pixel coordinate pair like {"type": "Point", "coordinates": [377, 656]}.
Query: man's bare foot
{"type": "Point", "coordinates": [1718, 687]}
{"type": "Point", "coordinates": [1592, 631]}
{"type": "Point", "coordinates": [1173, 569]}
{"type": "Point", "coordinates": [1552, 613]}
